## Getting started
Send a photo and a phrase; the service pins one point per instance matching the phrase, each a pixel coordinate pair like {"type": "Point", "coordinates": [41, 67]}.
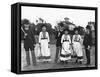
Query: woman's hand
{"type": "Point", "coordinates": [48, 45]}
{"type": "Point", "coordinates": [34, 45]}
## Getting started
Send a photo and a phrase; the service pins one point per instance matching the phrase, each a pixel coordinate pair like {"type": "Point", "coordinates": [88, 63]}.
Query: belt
{"type": "Point", "coordinates": [76, 41]}
{"type": "Point", "coordinates": [65, 40]}
{"type": "Point", "coordinates": [43, 38]}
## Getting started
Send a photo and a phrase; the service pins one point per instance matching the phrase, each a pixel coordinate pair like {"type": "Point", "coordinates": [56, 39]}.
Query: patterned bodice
{"type": "Point", "coordinates": [77, 38]}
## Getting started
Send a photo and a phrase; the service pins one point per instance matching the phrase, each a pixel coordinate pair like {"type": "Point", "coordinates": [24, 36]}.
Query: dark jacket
{"type": "Point", "coordinates": [87, 40]}
{"type": "Point", "coordinates": [58, 38]}
{"type": "Point", "coordinates": [29, 39]}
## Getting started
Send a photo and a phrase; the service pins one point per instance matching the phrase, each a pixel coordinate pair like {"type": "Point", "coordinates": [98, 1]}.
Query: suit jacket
{"type": "Point", "coordinates": [58, 38]}
{"type": "Point", "coordinates": [29, 39]}
{"type": "Point", "coordinates": [87, 40]}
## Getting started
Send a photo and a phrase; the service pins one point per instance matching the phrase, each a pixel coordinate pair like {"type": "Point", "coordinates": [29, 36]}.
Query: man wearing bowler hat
{"type": "Point", "coordinates": [87, 44]}
{"type": "Point", "coordinates": [58, 42]}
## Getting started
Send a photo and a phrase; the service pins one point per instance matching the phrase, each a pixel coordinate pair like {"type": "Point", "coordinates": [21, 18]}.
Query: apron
{"type": "Point", "coordinates": [44, 48]}
{"type": "Point", "coordinates": [77, 46]}
{"type": "Point", "coordinates": [66, 50]}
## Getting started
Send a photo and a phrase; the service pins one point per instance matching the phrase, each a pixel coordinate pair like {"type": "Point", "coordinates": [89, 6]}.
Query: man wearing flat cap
{"type": "Point", "coordinates": [29, 42]}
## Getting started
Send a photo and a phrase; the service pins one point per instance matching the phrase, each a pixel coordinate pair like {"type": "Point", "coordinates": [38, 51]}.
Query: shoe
{"type": "Point", "coordinates": [76, 61]}
{"type": "Point", "coordinates": [66, 62]}
{"type": "Point", "coordinates": [56, 62]}
{"type": "Point", "coordinates": [34, 64]}
{"type": "Point", "coordinates": [80, 62]}
{"type": "Point", "coordinates": [46, 61]}
{"type": "Point", "coordinates": [27, 65]}
{"type": "Point", "coordinates": [87, 64]}
{"type": "Point", "coordinates": [61, 62]}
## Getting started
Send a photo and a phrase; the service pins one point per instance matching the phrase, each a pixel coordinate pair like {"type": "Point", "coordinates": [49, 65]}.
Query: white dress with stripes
{"type": "Point", "coordinates": [66, 50]}
{"type": "Point", "coordinates": [77, 45]}
{"type": "Point", "coordinates": [44, 47]}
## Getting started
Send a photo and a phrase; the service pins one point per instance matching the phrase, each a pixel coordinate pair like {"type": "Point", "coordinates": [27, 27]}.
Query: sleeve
{"type": "Point", "coordinates": [62, 38]}
{"type": "Point", "coordinates": [80, 39]}
{"type": "Point", "coordinates": [69, 39]}
{"type": "Point", "coordinates": [73, 38]}
{"type": "Point", "coordinates": [22, 35]}
{"type": "Point", "coordinates": [90, 40]}
{"type": "Point", "coordinates": [84, 43]}
{"type": "Point", "coordinates": [48, 37]}
{"type": "Point", "coordinates": [56, 35]}
{"type": "Point", "coordinates": [33, 37]}
{"type": "Point", "coordinates": [40, 37]}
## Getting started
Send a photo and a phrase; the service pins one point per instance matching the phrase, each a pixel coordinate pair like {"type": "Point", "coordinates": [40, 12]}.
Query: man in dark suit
{"type": "Point", "coordinates": [87, 44]}
{"type": "Point", "coordinates": [58, 43]}
{"type": "Point", "coordinates": [29, 43]}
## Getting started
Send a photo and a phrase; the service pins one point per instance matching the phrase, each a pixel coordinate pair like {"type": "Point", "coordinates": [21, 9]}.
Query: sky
{"type": "Point", "coordinates": [54, 15]}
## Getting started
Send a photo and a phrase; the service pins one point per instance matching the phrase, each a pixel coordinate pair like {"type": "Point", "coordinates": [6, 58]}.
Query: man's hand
{"type": "Point", "coordinates": [25, 34]}
{"type": "Point", "coordinates": [89, 48]}
{"type": "Point", "coordinates": [59, 34]}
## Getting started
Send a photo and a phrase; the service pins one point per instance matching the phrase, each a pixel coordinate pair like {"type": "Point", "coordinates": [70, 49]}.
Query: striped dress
{"type": "Point", "coordinates": [77, 45]}
{"type": "Point", "coordinates": [66, 50]}
{"type": "Point", "coordinates": [44, 46]}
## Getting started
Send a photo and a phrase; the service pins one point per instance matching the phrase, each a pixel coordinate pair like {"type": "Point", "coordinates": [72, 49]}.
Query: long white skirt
{"type": "Point", "coordinates": [45, 50]}
{"type": "Point", "coordinates": [65, 52]}
{"type": "Point", "coordinates": [78, 49]}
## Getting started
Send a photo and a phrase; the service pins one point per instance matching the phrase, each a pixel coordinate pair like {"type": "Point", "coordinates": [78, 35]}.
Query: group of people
{"type": "Point", "coordinates": [64, 45]}
{"type": "Point", "coordinates": [69, 46]}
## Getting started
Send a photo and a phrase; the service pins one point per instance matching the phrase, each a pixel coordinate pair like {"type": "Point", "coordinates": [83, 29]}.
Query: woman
{"type": "Point", "coordinates": [44, 45]}
{"type": "Point", "coordinates": [65, 51]}
{"type": "Point", "coordinates": [77, 45]}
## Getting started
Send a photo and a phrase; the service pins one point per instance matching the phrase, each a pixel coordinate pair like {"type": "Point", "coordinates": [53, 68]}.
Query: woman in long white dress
{"type": "Point", "coordinates": [65, 52]}
{"type": "Point", "coordinates": [77, 45]}
{"type": "Point", "coordinates": [44, 45]}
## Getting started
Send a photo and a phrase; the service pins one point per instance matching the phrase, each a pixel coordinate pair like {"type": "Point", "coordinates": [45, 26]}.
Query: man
{"type": "Point", "coordinates": [29, 43]}
{"type": "Point", "coordinates": [58, 43]}
{"type": "Point", "coordinates": [87, 42]}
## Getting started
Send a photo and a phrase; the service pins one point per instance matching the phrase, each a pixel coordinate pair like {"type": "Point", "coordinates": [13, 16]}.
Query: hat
{"type": "Point", "coordinates": [61, 24]}
{"type": "Point", "coordinates": [88, 27]}
{"type": "Point", "coordinates": [66, 29]}
{"type": "Point", "coordinates": [76, 29]}
{"type": "Point", "coordinates": [25, 21]}
{"type": "Point", "coordinates": [43, 25]}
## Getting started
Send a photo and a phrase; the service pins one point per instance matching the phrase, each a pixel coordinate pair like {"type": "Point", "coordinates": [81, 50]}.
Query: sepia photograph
{"type": "Point", "coordinates": [57, 38]}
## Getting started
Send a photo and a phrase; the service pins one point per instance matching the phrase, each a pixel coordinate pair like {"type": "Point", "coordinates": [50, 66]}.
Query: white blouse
{"type": "Point", "coordinates": [46, 36]}
{"type": "Point", "coordinates": [77, 38]}
{"type": "Point", "coordinates": [65, 37]}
